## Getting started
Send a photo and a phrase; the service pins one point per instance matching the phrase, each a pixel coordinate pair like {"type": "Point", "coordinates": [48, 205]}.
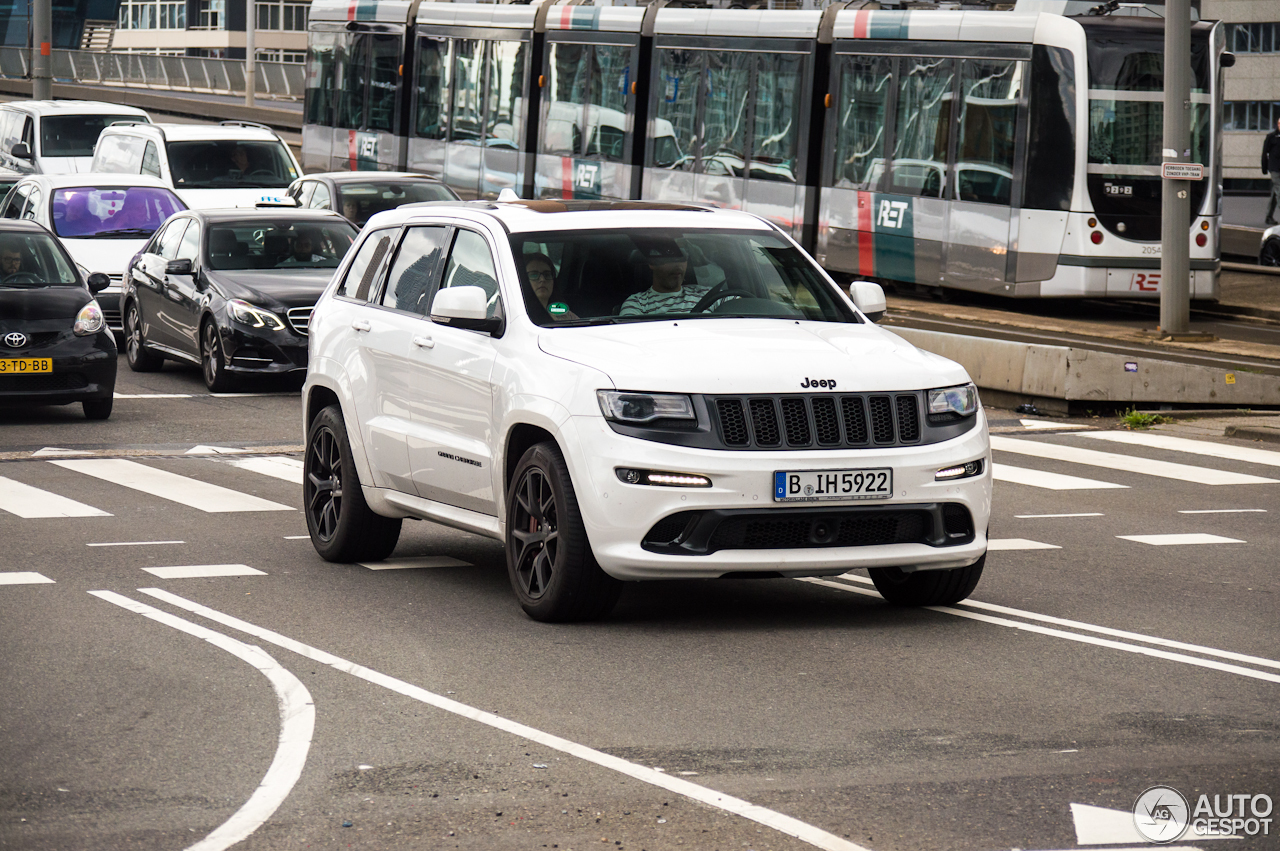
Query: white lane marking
{"type": "Point", "coordinates": [1129, 463]}
{"type": "Point", "coordinates": [1084, 639]}
{"type": "Point", "coordinates": [134, 543]}
{"type": "Point", "coordinates": [999, 544]}
{"type": "Point", "coordinates": [411, 563]}
{"type": "Point", "coordinates": [1039, 424]}
{"type": "Point", "coordinates": [1045, 479]}
{"type": "Point", "coordinates": [297, 724]}
{"type": "Point", "coordinates": [152, 395]}
{"type": "Point", "coordinates": [276, 466]}
{"type": "Point", "coordinates": [53, 450]}
{"type": "Point", "coordinates": [200, 571]}
{"type": "Point", "coordinates": [1226, 511]}
{"type": "Point", "coordinates": [1048, 516]}
{"type": "Point", "coordinates": [297, 537]}
{"type": "Point", "coordinates": [201, 449]}
{"type": "Point", "coordinates": [769, 818]}
{"type": "Point", "coordinates": [1104, 826]}
{"type": "Point", "coordinates": [1227, 451]}
{"type": "Point", "coordinates": [24, 577]}
{"type": "Point", "coordinates": [1179, 539]}
{"type": "Point", "coordinates": [180, 489]}
{"type": "Point", "coordinates": [28, 502]}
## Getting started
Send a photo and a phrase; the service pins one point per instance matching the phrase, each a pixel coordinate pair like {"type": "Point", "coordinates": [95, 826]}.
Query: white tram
{"type": "Point", "coordinates": [1015, 153]}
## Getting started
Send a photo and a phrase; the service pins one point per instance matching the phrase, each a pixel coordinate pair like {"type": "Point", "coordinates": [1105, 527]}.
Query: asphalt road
{"type": "Point", "coordinates": [312, 705]}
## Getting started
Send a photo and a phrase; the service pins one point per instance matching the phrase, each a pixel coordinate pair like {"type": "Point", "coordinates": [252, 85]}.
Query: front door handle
{"type": "Point", "coordinates": [423, 342]}
{"type": "Point", "coordinates": [360, 324]}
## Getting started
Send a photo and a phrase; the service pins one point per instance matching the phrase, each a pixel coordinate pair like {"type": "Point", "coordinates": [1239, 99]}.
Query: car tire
{"type": "Point", "coordinates": [927, 587]}
{"type": "Point", "coordinates": [1270, 253]}
{"type": "Point", "coordinates": [549, 561]}
{"type": "Point", "coordinates": [342, 526]}
{"type": "Point", "coordinates": [135, 344]}
{"type": "Point", "coordinates": [216, 377]}
{"type": "Point", "coordinates": [97, 409]}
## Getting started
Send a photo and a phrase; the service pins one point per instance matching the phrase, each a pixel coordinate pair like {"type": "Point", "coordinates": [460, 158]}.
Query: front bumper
{"type": "Point", "coordinates": [262, 352]}
{"type": "Point", "coordinates": [619, 517]}
{"type": "Point", "coordinates": [83, 368]}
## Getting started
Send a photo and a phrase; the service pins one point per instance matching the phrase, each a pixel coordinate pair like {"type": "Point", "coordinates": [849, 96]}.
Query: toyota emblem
{"type": "Point", "coordinates": [15, 340]}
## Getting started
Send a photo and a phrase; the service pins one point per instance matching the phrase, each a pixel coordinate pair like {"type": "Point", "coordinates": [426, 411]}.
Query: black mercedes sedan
{"type": "Point", "coordinates": [360, 194]}
{"type": "Point", "coordinates": [55, 347]}
{"type": "Point", "coordinates": [230, 290]}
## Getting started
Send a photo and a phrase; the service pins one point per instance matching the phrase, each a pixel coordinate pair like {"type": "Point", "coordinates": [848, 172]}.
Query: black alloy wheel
{"type": "Point", "coordinates": [342, 526]}
{"type": "Point", "coordinates": [1270, 253]}
{"type": "Point", "coordinates": [549, 560]}
{"type": "Point", "coordinates": [927, 587]}
{"type": "Point", "coordinates": [135, 352]}
{"type": "Point", "coordinates": [216, 377]}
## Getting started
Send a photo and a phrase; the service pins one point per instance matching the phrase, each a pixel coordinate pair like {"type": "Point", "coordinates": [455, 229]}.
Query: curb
{"type": "Point", "coordinates": [1268, 435]}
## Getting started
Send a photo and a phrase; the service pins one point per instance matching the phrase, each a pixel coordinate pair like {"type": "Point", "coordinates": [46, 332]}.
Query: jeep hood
{"type": "Point", "coordinates": [751, 356]}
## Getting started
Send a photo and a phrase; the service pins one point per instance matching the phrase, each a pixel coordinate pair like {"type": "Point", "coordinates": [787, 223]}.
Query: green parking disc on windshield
{"type": "Point", "coordinates": [558, 308]}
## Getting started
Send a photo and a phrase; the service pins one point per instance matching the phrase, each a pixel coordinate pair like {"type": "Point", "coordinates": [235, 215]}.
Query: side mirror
{"type": "Point", "coordinates": [464, 307]}
{"type": "Point", "coordinates": [98, 282]}
{"type": "Point", "coordinates": [1228, 60]}
{"type": "Point", "coordinates": [869, 298]}
{"type": "Point", "coordinates": [21, 151]}
{"type": "Point", "coordinates": [178, 267]}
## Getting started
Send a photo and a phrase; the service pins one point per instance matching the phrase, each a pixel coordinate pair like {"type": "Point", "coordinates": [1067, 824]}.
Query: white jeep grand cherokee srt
{"type": "Point", "coordinates": [626, 391]}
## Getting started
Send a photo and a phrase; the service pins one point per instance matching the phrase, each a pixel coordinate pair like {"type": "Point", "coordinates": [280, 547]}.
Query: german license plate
{"type": "Point", "coordinates": [812, 485]}
{"type": "Point", "coordinates": [25, 366]}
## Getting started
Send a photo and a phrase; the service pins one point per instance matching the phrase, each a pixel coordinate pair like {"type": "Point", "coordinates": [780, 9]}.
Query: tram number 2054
{"type": "Point", "coordinates": [1146, 282]}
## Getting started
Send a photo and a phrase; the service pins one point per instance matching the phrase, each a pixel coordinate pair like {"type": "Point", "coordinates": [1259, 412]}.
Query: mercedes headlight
{"type": "Point", "coordinates": [254, 317]}
{"type": "Point", "coordinates": [89, 320]}
{"type": "Point", "coordinates": [949, 402]}
{"type": "Point", "coordinates": [642, 408]}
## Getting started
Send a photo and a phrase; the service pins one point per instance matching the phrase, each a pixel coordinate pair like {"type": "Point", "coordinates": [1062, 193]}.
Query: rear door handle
{"type": "Point", "coordinates": [360, 324]}
{"type": "Point", "coordinates": [423, 342]}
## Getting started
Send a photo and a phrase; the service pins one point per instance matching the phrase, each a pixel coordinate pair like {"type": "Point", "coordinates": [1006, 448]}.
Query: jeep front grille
{"type": "Point", "coordinates": [817, 422]}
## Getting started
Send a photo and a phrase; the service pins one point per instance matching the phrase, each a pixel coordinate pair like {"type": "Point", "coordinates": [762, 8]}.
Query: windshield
{"type": "Point", "coordinates": [75, 135]}
{"type": "Point", "coordinates": [603, 277]}
{"type": "Point", "coordinates": [34, 260]}
{"type": "Point", "coordinates": [118, 212]}
{"type": "Point", "coordinates": [359, 201]}
{"type": "Point", "coordinates": [229, 164]}
{"type": "Point", "coordinates": [279, 245]}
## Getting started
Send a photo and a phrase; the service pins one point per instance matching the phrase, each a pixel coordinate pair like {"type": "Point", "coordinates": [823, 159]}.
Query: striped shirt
{"type": "Point", "coordinates": [651, 301]}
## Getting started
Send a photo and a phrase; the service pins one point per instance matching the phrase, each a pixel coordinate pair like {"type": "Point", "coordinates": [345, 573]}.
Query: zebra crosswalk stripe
{"type": "Point", "coordinates": [29, 502]}
{"type": "Point", "coordinates": [171, 486]}
{"type": "Point", "coordinates": [1225, 451]}
{"type": "Point", "coordinates": [1128, 463]}
{"type": "Point", "coordinates": [1044, 479]}
{"type": "Point", "coordinates": [276, 466]}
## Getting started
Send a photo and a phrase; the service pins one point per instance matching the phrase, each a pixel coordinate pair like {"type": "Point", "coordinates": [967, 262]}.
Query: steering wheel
{"type": "Point", "coordinates": [22, 278]}
{"type": "Point", "coordinates": [262, 172]}
{"type": "Point", "coordinates": [720, 291]}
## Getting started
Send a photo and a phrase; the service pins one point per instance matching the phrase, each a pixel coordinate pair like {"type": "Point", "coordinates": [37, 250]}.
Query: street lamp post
{"type": "Point", "coordinates": [41, 59]}
{"type": "Point", "coordinates": [250, 24]}
{"type": "Point", "coordinates": [1175, 206]}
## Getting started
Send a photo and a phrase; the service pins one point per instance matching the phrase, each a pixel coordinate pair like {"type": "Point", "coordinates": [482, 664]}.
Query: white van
{"type": "Point", "coordinates": [232, 164]}
{"type": "Point", "coordinates": [55, 137]}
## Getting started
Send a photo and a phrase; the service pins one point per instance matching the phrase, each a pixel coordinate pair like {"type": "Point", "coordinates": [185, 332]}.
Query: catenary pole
{"type": "Point", "coordinates": [250, 24]}
{"type": "Point", "coordinates": [41, 52]}
{"type": "Point", "coordinates": [1175, 207]}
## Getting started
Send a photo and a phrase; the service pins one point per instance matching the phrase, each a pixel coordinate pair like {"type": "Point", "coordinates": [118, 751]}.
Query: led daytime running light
{"type": "Point", "coordinates": [662, 479]}
{"type": "Point", "coordinates": [960, 471]}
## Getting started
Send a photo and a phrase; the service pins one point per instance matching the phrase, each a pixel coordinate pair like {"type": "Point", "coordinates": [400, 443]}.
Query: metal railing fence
{"type": "Point", "coordinates": [279, 80]}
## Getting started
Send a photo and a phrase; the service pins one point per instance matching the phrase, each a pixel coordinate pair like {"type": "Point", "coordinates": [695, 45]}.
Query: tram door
{"type": "Point", "coordinates": [469, 112]}
{"type": "Point", "coordinates": [352, 110]}
{"type": "Point", "coordinates": [586, 134]}
{"type": "Point", "coordinates": [727, 124]}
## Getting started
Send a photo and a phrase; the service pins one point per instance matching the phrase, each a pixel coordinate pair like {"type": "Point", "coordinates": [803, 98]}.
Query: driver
{"type": "Point", "coordinates": [668, 294]}
{"type": "Point", "coordinates": [303, 250]}
{"type": "Point", "coordinates": [240, 159]}
{"type": "Point", "coordinates": [10, 260]}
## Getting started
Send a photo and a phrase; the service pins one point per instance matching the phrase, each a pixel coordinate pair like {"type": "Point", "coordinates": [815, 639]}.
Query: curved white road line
{"type": "Point", "coordinates": [814, 836]}
{"type": "Point", "coordinates": [297, 723]}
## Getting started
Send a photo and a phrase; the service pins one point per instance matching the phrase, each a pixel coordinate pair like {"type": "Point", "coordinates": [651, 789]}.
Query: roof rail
{"type": "Point", "coordinates": [158, 129]}
{"type": "Point", "coordinates": [235, 122]}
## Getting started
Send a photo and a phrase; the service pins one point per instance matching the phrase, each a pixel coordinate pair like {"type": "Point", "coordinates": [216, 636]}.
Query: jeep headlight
{"type": "Point", "coordinates": [89, 320]}
{"type": "Point", "coordinates": [255, 317]}
{"type": "Point", "coordinates": [643, 408]}
{"type": "Point", "coordinates": [953, 402]}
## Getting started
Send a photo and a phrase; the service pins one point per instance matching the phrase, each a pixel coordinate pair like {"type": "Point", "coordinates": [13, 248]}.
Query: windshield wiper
{"type": "Point", "coordinates": [118, 232]}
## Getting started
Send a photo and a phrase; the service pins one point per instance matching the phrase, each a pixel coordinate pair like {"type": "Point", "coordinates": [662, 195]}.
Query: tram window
{"type": "Point", "coordinates": [351, 96]}
{"type": "Point", "coordinates": [677, 95]}
{"type": "Point", "coordinates": [864, 94]}
{"type": "Point", "coordinates": [433, 88]}
{"type": "Point", "coordinates": [383, 77]}
{"type": "Point", "coordinates": [726, 102]}
{"type": "Point", "coordinates": [321, 80]}
{"type": "Point", "coordinates": [1051, 148]}
{"type": "Point", "coordinates": [468, 83]}
{"type": "Point", "coordinates": [989, 93]}
{"type": "Point", "coordinates": [776, 139]}
{"type": "Point", "coordinates": [567, 89]}
{"type": "Point", "coordinates": [610, 79]}
{"type": "Point", "coordinates": [505, 84]}
{"type": "Point", "coordinates": [587, 116]}
{"type": "Point", "coordinates": [923, 127]}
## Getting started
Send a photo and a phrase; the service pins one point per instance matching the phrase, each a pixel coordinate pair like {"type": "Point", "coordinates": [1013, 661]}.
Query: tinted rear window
{"type": "Point", "coordinates": [74, 135]}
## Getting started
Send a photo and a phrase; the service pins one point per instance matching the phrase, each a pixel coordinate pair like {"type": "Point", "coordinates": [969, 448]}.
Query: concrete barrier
{"type": "Point", "coordinates": [1053, 377]}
